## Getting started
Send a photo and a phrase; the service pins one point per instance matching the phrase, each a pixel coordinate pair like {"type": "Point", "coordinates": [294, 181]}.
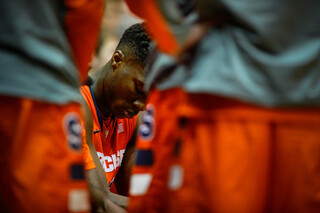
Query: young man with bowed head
{"type": "Point", "coordinates": [114, 100]}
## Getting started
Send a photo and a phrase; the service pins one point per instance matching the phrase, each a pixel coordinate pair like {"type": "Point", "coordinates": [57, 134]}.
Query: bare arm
{"type": "Point", "coordinates": [123, 176]}
{"type": "Point", "coordinates": [96, 178]}
{"type": "Point", "coordinates": [122, 179]}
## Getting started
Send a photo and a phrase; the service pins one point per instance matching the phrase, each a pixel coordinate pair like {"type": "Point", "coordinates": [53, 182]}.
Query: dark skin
{"type": "Point", "coordinates": [102, 199]}
{"type": "Point", "coordinates": [123, 176]}
{"type": "Point", "coordinates": [118, 87]}
{"type": "Point", "coordinates": [118, 91]}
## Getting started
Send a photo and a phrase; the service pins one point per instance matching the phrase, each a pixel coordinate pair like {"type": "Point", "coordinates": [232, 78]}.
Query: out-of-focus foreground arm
{"type": "Point", "coordinates": [82, 24]}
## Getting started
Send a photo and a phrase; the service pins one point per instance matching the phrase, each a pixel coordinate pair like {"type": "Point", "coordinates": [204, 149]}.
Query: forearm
{"type": "Point", "coordinates": [82, 23]}
{"type": "Point", "coordinates": [111, 207]}
{"type": "Point", "coordinates": [119, 200]}
{"type": "Point", "coordinates": [101, 201]}
{"type": "Point", "coordinates": [98, 194]}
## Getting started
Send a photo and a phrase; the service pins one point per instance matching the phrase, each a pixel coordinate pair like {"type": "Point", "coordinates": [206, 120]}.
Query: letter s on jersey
{"type": "Point", "coordinates": [147, 126]}
{"type": "Point", "coordinates": [73, 131]}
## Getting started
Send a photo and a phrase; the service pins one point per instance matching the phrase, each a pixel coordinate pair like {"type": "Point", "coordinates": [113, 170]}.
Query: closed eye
{"type": "Point", "coordinates": [138, 86]}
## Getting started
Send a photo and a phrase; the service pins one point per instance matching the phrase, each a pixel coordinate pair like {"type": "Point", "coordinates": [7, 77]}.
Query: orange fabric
{"type": "Point", "coordinates": [83, 21]}
{"type": "Point", "coordinates": [156, 24]}
{"type": "Point", "coordinates": [36, 156]}
{"type": "Point", "coordinates": [165, 135]}
{"type": "Point", "coordinates": [252, 159]}
{"type": "Point", "coordinates": [110, 141]}
{"type": "Point", "coordinates": [235, 157]}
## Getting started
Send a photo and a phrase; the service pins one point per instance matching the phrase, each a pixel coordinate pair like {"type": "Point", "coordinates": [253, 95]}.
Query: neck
{"type": "Point", "coordinates": [99, 89]}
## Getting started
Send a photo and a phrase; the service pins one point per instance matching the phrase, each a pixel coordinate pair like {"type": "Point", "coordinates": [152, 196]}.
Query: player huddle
{"type": "Point", "coordinates": [206, 106]}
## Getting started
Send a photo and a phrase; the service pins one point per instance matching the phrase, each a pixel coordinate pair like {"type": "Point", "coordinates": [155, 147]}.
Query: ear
{"type": "Point", "coordinates": [117, 59]}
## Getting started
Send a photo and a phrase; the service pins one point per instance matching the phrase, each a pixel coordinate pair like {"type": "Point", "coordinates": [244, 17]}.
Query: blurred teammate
{"type": "Point", "coordinates": [45, 50]}
{"type": "Point", "coordinates": [113, 102]}
{"type": "Point", "coordinates": [232, 123]}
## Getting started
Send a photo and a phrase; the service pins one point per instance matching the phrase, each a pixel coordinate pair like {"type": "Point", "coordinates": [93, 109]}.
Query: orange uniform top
{"type": "Point", "coordinates": [110, 137]}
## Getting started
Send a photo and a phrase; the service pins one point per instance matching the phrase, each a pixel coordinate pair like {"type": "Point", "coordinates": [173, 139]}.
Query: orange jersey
{"type": "Point", "coordinates": [110, 137]}
{"type": "Point", "coordinates": [204, 153]}
{"type": "Point", "coordinates": [157, 136]}
{"type": "Point", "coordinates": [40, 159]}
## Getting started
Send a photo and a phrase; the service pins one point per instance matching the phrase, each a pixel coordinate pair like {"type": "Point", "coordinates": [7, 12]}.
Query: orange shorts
{"type": "Point", "coordinates": [228, 156]}
{"type": "Point", "coordinates": [41, 162]}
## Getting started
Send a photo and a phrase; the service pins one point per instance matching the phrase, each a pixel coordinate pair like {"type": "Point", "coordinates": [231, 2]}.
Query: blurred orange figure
{"type": "Point", "coordinates": [46, 47]}
{"type": "Point", "coordinates": [234, 108]}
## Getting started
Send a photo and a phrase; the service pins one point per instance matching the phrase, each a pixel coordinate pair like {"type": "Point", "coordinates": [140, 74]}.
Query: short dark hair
{"type": "Point", "coordinates": [137, 41]}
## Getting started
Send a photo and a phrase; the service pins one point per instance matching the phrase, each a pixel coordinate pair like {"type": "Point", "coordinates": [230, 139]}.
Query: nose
{"type": "Point", "coordinates": [140, 105]}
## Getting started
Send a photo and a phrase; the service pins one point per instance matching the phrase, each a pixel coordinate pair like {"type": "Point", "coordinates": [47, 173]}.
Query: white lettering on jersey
{"type": "Point", "coordinates": [139, 183]}
{"type": "Point", "coordinates": [147, 127]}
{"type": "Point", "coordinates": [175, 177]}
{"type": "Point", "coordinates": [110, 163]}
